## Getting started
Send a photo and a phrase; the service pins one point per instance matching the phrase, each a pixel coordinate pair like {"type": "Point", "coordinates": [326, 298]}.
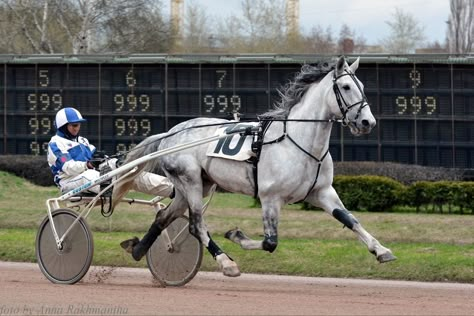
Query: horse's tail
{"type": "Point", "coordinates": [145, 147]}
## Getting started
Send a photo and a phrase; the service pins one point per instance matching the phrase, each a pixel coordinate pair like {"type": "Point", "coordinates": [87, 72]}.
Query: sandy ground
{"type": "Point", "coordinates": [125, 291]}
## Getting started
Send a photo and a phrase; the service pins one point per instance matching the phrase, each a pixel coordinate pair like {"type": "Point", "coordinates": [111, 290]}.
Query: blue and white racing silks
{"type": "Point", "coordinates": [68, 158]}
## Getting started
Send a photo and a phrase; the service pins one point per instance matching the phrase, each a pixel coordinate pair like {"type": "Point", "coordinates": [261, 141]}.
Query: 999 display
{"type": "Point", "coordinates": [424, 110]}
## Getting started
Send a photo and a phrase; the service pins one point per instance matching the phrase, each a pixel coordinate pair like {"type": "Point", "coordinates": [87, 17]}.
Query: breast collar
{"type": "Point", "coordinates": [258, 143]}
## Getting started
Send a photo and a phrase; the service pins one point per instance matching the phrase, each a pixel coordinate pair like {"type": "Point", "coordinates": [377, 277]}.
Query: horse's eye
{"type": "Point", "coordinates": [346, 87]}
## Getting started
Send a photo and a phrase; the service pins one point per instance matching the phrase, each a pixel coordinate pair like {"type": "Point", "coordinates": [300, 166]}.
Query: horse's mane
{"type": "Point", "coordinates": [294, 90]}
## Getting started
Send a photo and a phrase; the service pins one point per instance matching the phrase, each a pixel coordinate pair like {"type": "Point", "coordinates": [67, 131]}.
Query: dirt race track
{"type": "Point", "coordinates": [125, 291]}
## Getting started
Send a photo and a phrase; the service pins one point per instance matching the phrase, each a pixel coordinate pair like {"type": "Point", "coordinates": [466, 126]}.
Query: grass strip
{"type": "Point", "coordinates": [305, 257]}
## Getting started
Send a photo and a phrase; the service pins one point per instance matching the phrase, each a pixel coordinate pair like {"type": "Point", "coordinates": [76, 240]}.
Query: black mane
{"type": "Point", "coordinates": [294, 90]}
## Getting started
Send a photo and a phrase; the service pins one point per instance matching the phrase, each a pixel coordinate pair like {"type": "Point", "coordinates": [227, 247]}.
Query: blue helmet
{"type": "Point", "coordinates": [68, 115]}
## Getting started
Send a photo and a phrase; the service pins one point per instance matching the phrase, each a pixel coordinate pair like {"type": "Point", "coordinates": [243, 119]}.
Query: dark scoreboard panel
{"type": "Point", "coordinates": [424, 107]}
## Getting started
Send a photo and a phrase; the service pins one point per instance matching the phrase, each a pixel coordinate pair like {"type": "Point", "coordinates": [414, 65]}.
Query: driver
{"type": "Point", "coordinates": [73, 160]}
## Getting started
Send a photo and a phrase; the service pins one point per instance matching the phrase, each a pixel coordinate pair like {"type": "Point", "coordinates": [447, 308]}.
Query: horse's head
{"type": "Point", "coordinates": [350, 98]}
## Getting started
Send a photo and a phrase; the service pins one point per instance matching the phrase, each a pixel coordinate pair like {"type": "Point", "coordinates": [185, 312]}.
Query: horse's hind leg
{"type": "Point", "coordinates": [138, 248]}
{"type": "Point", "coordinates": [328, 199]}
{"type": "Point", "coordinates": [198, 228]}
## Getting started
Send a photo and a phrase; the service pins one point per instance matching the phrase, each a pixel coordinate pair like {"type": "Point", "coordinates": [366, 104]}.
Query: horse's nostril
{"type": "Point", "coordinates": [365, 122]}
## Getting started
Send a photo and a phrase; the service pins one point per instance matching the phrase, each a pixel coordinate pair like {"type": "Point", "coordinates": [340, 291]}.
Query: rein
{"type": "Point", "coordinates": [123, 153]}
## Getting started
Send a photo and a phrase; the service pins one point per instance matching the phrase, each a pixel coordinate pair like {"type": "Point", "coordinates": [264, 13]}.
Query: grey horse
{"type": "Point", "coordinates": [294, 163]}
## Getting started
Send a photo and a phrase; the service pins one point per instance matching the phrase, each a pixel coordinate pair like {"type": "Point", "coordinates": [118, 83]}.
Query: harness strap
{"type": "Point", "coordinates": [257, 149]}
{"type": "Point", "coordinates": [305, 151]}
{"type": "Point", "coordinates": [317, 175]}
{"type": "Point", "coordinates": [258, 143]}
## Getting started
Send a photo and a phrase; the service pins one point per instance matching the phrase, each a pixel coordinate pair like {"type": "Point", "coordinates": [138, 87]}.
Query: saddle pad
{"type": "Point", "coordinates": [235, 147]}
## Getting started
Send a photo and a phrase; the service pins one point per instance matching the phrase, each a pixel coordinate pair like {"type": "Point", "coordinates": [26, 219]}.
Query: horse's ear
{"type": "Point", "coordinates": [341, 62]}
{"type": "Point", "coordinates": [355, 65]}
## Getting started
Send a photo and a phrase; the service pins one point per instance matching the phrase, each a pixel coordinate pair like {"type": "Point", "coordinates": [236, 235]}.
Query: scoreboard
{"type": "Point", "coordinates": [424, 105]}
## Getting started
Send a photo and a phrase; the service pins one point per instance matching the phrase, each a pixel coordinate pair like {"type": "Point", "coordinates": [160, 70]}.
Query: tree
{"type": "Point", "coordinates": [140, 28]}
{"type": "Point", "coordinates": [79, 26]}
{"type": "Point", "coordinates": [461, 26]}
{"type": "Point", "coordinates": [320, 41]}
{"type": "Point", "coordinates": [29, 27]}
{"type": "Point", "coordinates": [405, 33]}
{"type": "Point", "coordinates": [349, 41]}
{"type": "Point", "coordinates": [197, 34]}
{"type": "Point", "coordinates": [259, 28]}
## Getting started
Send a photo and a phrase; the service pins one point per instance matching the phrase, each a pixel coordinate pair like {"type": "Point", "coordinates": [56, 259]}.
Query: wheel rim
{"type": "Point", "coordinates": [175, 266]}
{"type": "Point", "coordinates": [71, 263]}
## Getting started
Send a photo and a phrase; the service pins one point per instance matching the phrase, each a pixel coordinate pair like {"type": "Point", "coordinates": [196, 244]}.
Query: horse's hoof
{"type": "Point", "coordinates": [386, 257]}
{"type": "Point", "coordinates": [128, 244]}
{"type": "Point", "coordinates": [138, 252]}
{"type": "Point", "coordinates": [228, 266]}
{"type": "Point", "coordinates": [231, 271]}
{"type": "Point", "coordinates": [231, 233]}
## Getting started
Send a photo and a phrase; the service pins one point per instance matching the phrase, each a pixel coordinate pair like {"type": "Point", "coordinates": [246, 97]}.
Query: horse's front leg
{"type": "Point", "coordinates": [327, 199]}
{"type": "Point", "coordinates": [271, 211]}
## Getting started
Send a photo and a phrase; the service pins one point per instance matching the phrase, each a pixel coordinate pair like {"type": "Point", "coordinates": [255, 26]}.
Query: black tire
{"type": "Point", "coordinates": [71, 263]}
{"type": "Point", "coordinates": [178, 266]}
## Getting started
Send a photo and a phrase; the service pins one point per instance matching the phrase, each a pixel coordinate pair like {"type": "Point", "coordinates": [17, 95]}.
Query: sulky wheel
{"type": "Point", "coordinates": [175, 257]}
{"type": "Point", "coordinates": [69, 263]}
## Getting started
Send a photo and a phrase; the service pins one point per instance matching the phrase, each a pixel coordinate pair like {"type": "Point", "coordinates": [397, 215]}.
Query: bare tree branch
{"type": "Point", "coordinates": [461, 26]}
{"type": "Point", "coordinates": [405, 33]}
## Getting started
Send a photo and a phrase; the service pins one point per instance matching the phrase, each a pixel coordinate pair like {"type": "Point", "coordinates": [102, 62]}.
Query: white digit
{"type": "Point", "coordinates": [415, 77]}
{"type": "Point", "coordinates": [145, 102]}
{"type": "Point", "coordinates": [34, 125]}
{"type": "Point", "coordinates": [236, 103]}
{"type": "Point", "coordinates": [46, 125]}
{"type": "Point", "coordinates": [222, 101]}
{"type": "Point", "coordinates": [119, 102]}
{"type": "Point", "coordinates": [119, 127]}
{"type": "Point", "coordinates": [132, 102]}
{"type": "Point", "coordinates": [401, 103]}
{"type": "Point", "coordinates": [35, 149]}
{"type": "Point", "coordinates": [219, 81]}
{"type": "Point", "coordinates": [416, 104]}
{"type": "Point", "coordinates": [130, 79]}
{"type": "Point", "coordinates": [120, 147]}
{"type": "Point", "coordinates": [145, 125]}
{"type": "Point", "coordinates": [132, 127]}
{"type": "Point", "coordinates": [57, 101]}
{"type": "Point", "coordinates": [209, 102]}
{"type": "Point", "coordinates": [430, 103]}
{"type": "Point", "coordinates": [43, 78]}
{"type": "Point", "coordinates": [32, 100]}
{"type": "Point", "coordinates": [44, 100]}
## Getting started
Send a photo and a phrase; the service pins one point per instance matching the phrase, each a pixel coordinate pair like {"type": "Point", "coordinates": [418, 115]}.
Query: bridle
{"type": "Point", "coordinates": [341, 102]}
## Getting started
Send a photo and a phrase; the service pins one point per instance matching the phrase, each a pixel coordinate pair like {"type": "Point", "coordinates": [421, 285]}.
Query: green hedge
{"type": "Point", "coordinates": [441, 194]}
{"type": "Point", "coordinates": [382, 194]}
{"type": "Point", "coordinates": [370, 193]}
